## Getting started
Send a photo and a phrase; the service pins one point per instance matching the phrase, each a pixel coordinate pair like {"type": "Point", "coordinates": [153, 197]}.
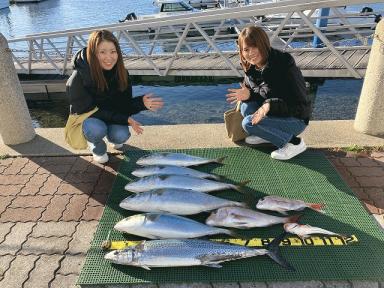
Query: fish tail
{"type": "Point", "coordinates": [240, 187]}
{"type": "Point", "coordinates": [317, 207]}
{"type": "Point", "coordinates": [233, 234]}
{"type": "Point", "coordinates": [215, 177]}
{"type": "Point", "coordinates": [294, 218]}
{"type": "Point", "coordinates": [274, 252]}
{"type": "Point", "coordinates": [220, 160]}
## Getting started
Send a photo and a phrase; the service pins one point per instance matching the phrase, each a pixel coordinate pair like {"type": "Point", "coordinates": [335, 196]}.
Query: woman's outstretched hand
{"type": "Point", "coordinates": [136, 126]}
{"type": "Point", "coordinates": [152, 103]}
{"type": "Point", "coordinates": [238, 94]}
{"type": "Point", "coordinates": [260, 113]}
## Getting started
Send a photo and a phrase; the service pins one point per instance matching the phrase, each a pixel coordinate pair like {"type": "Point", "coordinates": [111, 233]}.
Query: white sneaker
{"type": "Point", "coordinates": [100, 159]}
{"type": "Point", "coordinates": [116, 146]}
{"type": "Point", "coordinates": [97, 158]}
{"type": "Point", "coordinates": [255, 140]}
{"type": "Point", "coordinates": [289, 151]}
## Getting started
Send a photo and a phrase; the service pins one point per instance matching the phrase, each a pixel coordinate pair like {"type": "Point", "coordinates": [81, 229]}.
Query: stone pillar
{"type": "Point", "coordinates": [15, 121]}
{"type": "Point", "coordinates": [370, 111]}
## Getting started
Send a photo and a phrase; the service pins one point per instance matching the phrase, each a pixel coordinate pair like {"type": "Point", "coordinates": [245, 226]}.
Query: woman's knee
{"type": "Point", "coordinates": [118, 134]}
{"type": "Point", "coordinates": [94, 129]}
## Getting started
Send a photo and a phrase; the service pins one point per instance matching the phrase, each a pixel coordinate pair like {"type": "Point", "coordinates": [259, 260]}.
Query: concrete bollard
{"type": "Point", "coordinates": [370, 111]}
{"type": "Point", "coordinates": [15, 120]}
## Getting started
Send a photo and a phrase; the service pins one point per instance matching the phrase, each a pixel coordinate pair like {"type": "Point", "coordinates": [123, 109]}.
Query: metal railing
{"type": "Point", "coordinates": [290, 25]}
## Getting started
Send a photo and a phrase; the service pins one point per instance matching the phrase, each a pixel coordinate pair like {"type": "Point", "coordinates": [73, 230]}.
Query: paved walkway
{"type": "Point", "coordinates": [50, 207]}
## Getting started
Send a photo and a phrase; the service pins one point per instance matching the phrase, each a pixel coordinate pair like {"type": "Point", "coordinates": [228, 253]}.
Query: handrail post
{"type": "Point", "coordinates": [320, 22]}
{"type": "Point", "coordinates": [15, 121]}
{"type": "Point", "coordinates": [369, 116]}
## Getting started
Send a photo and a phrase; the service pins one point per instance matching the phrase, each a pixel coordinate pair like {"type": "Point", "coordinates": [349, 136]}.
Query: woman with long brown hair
{"type": "Point", "coordinates": [99, 89]}
{"type": "Point", "coordinates": [275, 104]}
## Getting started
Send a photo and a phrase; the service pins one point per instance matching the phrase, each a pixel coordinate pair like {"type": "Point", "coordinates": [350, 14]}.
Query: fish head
{"type": "Point", "coordinates": [133, 200]}
{"type": "Point", "coordinates": [130, 223]}
{"type": "Point", "coordinates": [262, 204]}
{"type": "Point", "coordinates": [140, 185]}
{"type": "Point", "coordinates": [290, 227]}
{"type": "Point", "coordinates": [216, 218]}
{"type": "Point", "coordinates": [125, 256]}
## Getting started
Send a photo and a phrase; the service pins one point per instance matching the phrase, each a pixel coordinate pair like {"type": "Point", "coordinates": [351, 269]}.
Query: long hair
{"type": "Point", "coordinates": [97, 75]}
{"type": "Point", "coordinates": [255, 37]}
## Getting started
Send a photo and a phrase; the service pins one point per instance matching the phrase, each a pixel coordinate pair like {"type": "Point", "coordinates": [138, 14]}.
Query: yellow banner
{"type": "Point", "coordinates": [258, 242]}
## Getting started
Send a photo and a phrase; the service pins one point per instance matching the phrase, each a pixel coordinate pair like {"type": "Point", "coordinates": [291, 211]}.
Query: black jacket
{"type": "Point", "coordinates": [282, 85]}
{"type": "Point", "coordinates": [115, 106]}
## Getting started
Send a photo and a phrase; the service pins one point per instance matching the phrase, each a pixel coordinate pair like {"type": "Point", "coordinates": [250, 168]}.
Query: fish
{"type": "Point", "coordinates": [179, 181]}
{"type": "Point", "coordinates": [177, 159]}
{"type": "Point", "coordinates": [243, 218]}
{"type": "Point", "coordinates": [164, 226]}
{"type": "Point", "coordinates": [175, 201]}
{"type": "Point", "coordinates": [172, 170]}
{"type": "Point", "coordinates": [305, 231]}
{"type": "Point", "coordinates": [282, 205]}
{"type": "Point", "coordinates": [191, 252]}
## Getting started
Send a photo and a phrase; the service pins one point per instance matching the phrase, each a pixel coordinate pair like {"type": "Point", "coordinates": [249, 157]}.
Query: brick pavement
{"type": "Point", "coordinates": [50, 207]}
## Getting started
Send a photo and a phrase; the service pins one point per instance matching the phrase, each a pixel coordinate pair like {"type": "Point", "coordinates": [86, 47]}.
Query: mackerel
{"type": "Point", "coordinates": [177, 159]}
{"type": "Point", "coordinates": [190, 252]}
{"type": "Point", "coordinates": [175, 201]}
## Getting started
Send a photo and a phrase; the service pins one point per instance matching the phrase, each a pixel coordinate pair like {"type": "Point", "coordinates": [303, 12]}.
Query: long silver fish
{"type": "Point", "coordinates": [164, 226]}
{"type": "Point", "coordinates": [178, 181]}
{"type": "Point", "coordinates": [242, 218]}
{"type": "Point", "coordinates": [305, 231]}
{"type": "Point", "coordinates": [177, 159]}
{"type": "Point", "coordinates": [172, 170]}
{"type": "Point", "coordinates": [190, 252]}
{"type": "Point", "coordinates": [282, 205]}
{"type": "Point", "coordinates": [175, 201]}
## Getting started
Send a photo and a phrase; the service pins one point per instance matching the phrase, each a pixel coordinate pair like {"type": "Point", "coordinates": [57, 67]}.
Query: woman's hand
{"type": "Point", "coordinates": [260, 113]}
{"type": "Point", "coordinates": [238, 94]}
{"type": "Point", "coordinates": [136, 126]}
{"type": "Point", "coordinates": [152, 103]}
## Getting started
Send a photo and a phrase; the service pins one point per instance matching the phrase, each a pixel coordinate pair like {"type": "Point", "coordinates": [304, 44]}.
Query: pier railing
{"type": "Point", "coordinates": [163, 46]}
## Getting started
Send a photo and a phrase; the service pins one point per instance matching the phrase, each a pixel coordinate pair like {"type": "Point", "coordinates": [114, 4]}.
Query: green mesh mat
{"type": "Point", "coordinates": [309, 176]}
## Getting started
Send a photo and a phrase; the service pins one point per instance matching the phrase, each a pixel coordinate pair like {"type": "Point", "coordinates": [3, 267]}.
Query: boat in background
{"type": "Point", "coordinates": [4, 4]}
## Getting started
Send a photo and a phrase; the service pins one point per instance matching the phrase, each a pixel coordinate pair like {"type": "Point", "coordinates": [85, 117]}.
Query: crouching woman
{"type": "Point", "coordinates": [100, 95]}
{"type": "Point", "coordinates": [275, 105]}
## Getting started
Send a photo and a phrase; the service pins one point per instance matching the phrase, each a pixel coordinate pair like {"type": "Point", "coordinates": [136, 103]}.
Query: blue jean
{"type": "Point", "coordinates": [277, 130]}
{"type": "Point", "coordinates": [95, 130]}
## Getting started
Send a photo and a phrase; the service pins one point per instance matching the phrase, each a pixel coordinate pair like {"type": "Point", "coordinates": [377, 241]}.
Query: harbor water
{"type": "Point", "coordinates": [185, 102]}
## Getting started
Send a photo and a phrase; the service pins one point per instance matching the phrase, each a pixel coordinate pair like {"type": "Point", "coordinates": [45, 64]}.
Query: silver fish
{"type": "Point", "coordinates": [177, 159]}
{"type": "Point", "coordinates": [305, 231]}
{"type": "Point", "coordinates": [242, 218]}
{"type": "Point", "coordinates": [190, 252]}
{"type": "Point", "coordinates": [172, 170]}
{"type": "Point", "coordinates": [177, 181]}
{"type": "Point", "coordinates": [175, 201]}
{"type": "Point", "coordinates": [164, 226]}
{"type": "Point", "coordinates": [282, 205]}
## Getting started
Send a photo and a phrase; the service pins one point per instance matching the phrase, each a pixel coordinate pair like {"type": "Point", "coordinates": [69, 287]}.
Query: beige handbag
{"type": "Point", "coordinates": [233, 119]}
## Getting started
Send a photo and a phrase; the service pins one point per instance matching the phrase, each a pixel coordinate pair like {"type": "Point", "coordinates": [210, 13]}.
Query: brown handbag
{"type": "Point", "coordinates": [232, 120]}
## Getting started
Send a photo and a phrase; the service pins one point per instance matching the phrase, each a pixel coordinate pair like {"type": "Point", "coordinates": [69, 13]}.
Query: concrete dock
{"type": "Point", "coordinates": [51, 198]}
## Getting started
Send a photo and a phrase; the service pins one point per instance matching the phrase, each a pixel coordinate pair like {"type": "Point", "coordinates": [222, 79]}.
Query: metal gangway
{"type": "Point", "coordinates": [204, 43]}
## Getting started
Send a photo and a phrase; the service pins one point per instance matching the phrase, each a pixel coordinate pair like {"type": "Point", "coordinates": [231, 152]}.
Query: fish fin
{"type": "Point", "coordinates": [317, 207]}
{"type": "Point", "coordinates": [220, 160]}
{"type": "Point", "coordinates": [213, 265]}
{"type": "Point", "coordinates": [233, 234]}
{"type": "Point", "coordinates": [274, 252]}
{"type": "Point", "coordinates": [145, 267]}
{"type": "Point", "coordinates": [140, 246]}
{"type": "Point", "coordinates": [294, 218]}
{"type": "Point", "coordinates": [215, 177]}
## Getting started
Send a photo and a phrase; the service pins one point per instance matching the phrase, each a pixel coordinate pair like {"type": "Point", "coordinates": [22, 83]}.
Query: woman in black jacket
{"type": "Point", "coordinates": [275, 105]}
{"type": "Point", "coordinates": [100, 80]}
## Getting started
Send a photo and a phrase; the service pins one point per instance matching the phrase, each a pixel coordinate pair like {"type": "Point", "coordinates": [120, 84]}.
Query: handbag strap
{"type": "Point", "coordinates": [238, 104]}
